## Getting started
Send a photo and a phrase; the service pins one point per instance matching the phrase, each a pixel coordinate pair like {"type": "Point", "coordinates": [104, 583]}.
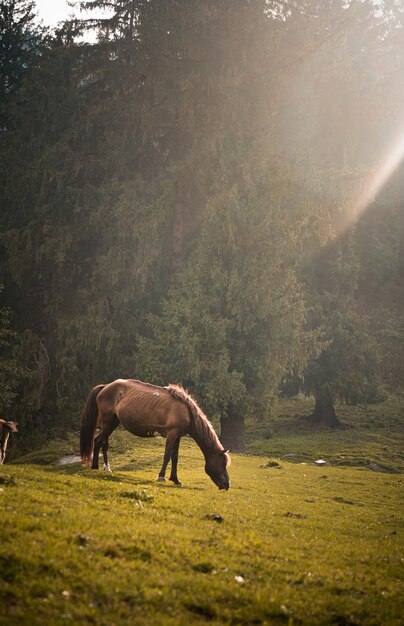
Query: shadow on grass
{"type": "Point", "coordinates": [117, 476]}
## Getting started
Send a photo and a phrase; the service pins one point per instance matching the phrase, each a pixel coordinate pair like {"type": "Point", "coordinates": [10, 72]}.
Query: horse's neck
{"type": "Point", "coordinates": [206, 440]}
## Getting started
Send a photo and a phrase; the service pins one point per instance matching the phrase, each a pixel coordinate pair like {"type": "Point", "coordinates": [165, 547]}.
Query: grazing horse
{"type": "Point", "coordinates": [145, 410]}
{"type": "Point", "coordinates": [5, 429]}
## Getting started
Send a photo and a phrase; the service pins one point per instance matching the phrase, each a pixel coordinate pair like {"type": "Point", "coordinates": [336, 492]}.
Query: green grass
{"type": "Point", "coordinates": [373, 433]}
{"type": "Point", "coordinates": [289, 543]}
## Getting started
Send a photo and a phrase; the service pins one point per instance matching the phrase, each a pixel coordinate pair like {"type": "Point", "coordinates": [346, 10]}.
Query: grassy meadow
{"type": "Point", "coordinates": [290, 543]}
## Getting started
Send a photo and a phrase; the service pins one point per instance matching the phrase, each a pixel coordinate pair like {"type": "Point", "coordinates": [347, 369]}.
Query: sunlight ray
{"type": "Point", "coordinates": [381, 174]}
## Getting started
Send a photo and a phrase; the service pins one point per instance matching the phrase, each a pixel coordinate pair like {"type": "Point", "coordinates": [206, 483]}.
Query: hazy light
{"type": "Point", "coordinates": [380, 176]}
{"type": "Point", "coordinates": [53, 11]}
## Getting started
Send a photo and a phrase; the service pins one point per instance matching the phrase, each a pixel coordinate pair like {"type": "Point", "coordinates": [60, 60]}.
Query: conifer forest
{"type": "Point", "coordinates": [201, 192]}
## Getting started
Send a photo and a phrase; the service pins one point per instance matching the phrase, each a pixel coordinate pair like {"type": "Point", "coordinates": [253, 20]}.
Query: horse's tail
{"type": "Point", "coordinates": [89, 420]}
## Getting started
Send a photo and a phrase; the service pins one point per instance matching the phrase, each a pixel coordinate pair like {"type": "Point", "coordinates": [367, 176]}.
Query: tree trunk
{"type": "Point", "coordinates": [324, 412]}
{"type": "Point", "coordinates": [39, 415]}
{"type": "Point", "coordinates": [232, 431]}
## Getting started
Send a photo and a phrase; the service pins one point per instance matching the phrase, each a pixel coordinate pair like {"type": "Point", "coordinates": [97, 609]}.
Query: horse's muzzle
{"type": "Point", "coordinates": [226, 485]}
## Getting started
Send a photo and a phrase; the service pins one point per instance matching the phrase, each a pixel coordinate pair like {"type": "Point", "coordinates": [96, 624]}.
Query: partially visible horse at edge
{"type": "Point", "coordinates": [5, 429]}
{"type": "Point", "coordinates": [145, 410]}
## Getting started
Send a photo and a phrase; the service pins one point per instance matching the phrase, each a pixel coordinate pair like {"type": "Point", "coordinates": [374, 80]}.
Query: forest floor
{"type": "Point", "coordinates": [290, 543]}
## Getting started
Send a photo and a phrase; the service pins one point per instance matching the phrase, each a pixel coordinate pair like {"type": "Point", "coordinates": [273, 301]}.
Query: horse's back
{"type": "Point", "coordinates": [119, 389]}
{"type": "Point", "coordinates": [143, 408]}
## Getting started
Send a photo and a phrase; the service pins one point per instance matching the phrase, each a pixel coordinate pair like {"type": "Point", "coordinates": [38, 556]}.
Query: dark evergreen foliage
{"type": "Point", "coordinates": [21, 46]}
{"type": "Point", "coordinates": [179, 204]}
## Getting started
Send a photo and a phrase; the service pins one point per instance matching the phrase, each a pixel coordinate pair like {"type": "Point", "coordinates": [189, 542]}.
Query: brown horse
{"type": "Point", "coordinates": [145, 410]}
{"type": "Point", "coordinates": [5, 429]}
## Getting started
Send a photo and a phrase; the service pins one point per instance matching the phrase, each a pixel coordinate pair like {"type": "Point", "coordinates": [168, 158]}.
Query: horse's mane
{"type": "Point", "coordinates": [203, 428]}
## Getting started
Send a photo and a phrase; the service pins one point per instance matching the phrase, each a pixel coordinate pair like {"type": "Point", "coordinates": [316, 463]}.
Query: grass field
{"type": "Point", "coordinates": [290, 543]}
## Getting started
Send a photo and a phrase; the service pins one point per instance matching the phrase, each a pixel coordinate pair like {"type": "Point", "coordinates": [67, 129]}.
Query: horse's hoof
{"type": "Point", "coordinates": [107, 468]}
{"type": "Point", "coordinates": [176, 482]}
{"type": "Point", "coordinates": [161, 479]}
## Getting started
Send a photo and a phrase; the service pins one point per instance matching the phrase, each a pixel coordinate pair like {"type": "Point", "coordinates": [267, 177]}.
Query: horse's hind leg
{"type": "Point", "coordinates": [108, 426]}
{"type": "Point", "coordinates": [104, 447]}
{"type": "Point", "coordinates": [174, 462]}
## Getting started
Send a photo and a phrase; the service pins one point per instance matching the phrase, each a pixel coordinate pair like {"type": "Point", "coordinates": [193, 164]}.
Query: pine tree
{"type": "Point", "coordinates": [21, 44]}
{"type": "Point", "coordinates": [231, 323]}
{"type": "Point", "coordinates": [347, 369]}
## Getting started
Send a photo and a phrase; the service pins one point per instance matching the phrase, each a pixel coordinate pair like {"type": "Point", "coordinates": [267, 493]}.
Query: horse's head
{"type": "Point", "coordinates": [216, 468]}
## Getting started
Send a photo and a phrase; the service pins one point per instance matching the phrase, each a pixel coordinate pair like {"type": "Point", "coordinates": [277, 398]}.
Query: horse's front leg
{"type": "Point", "coordinates": [170, 445]}
{"type": "Point", "coordinates": [174, 462]}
